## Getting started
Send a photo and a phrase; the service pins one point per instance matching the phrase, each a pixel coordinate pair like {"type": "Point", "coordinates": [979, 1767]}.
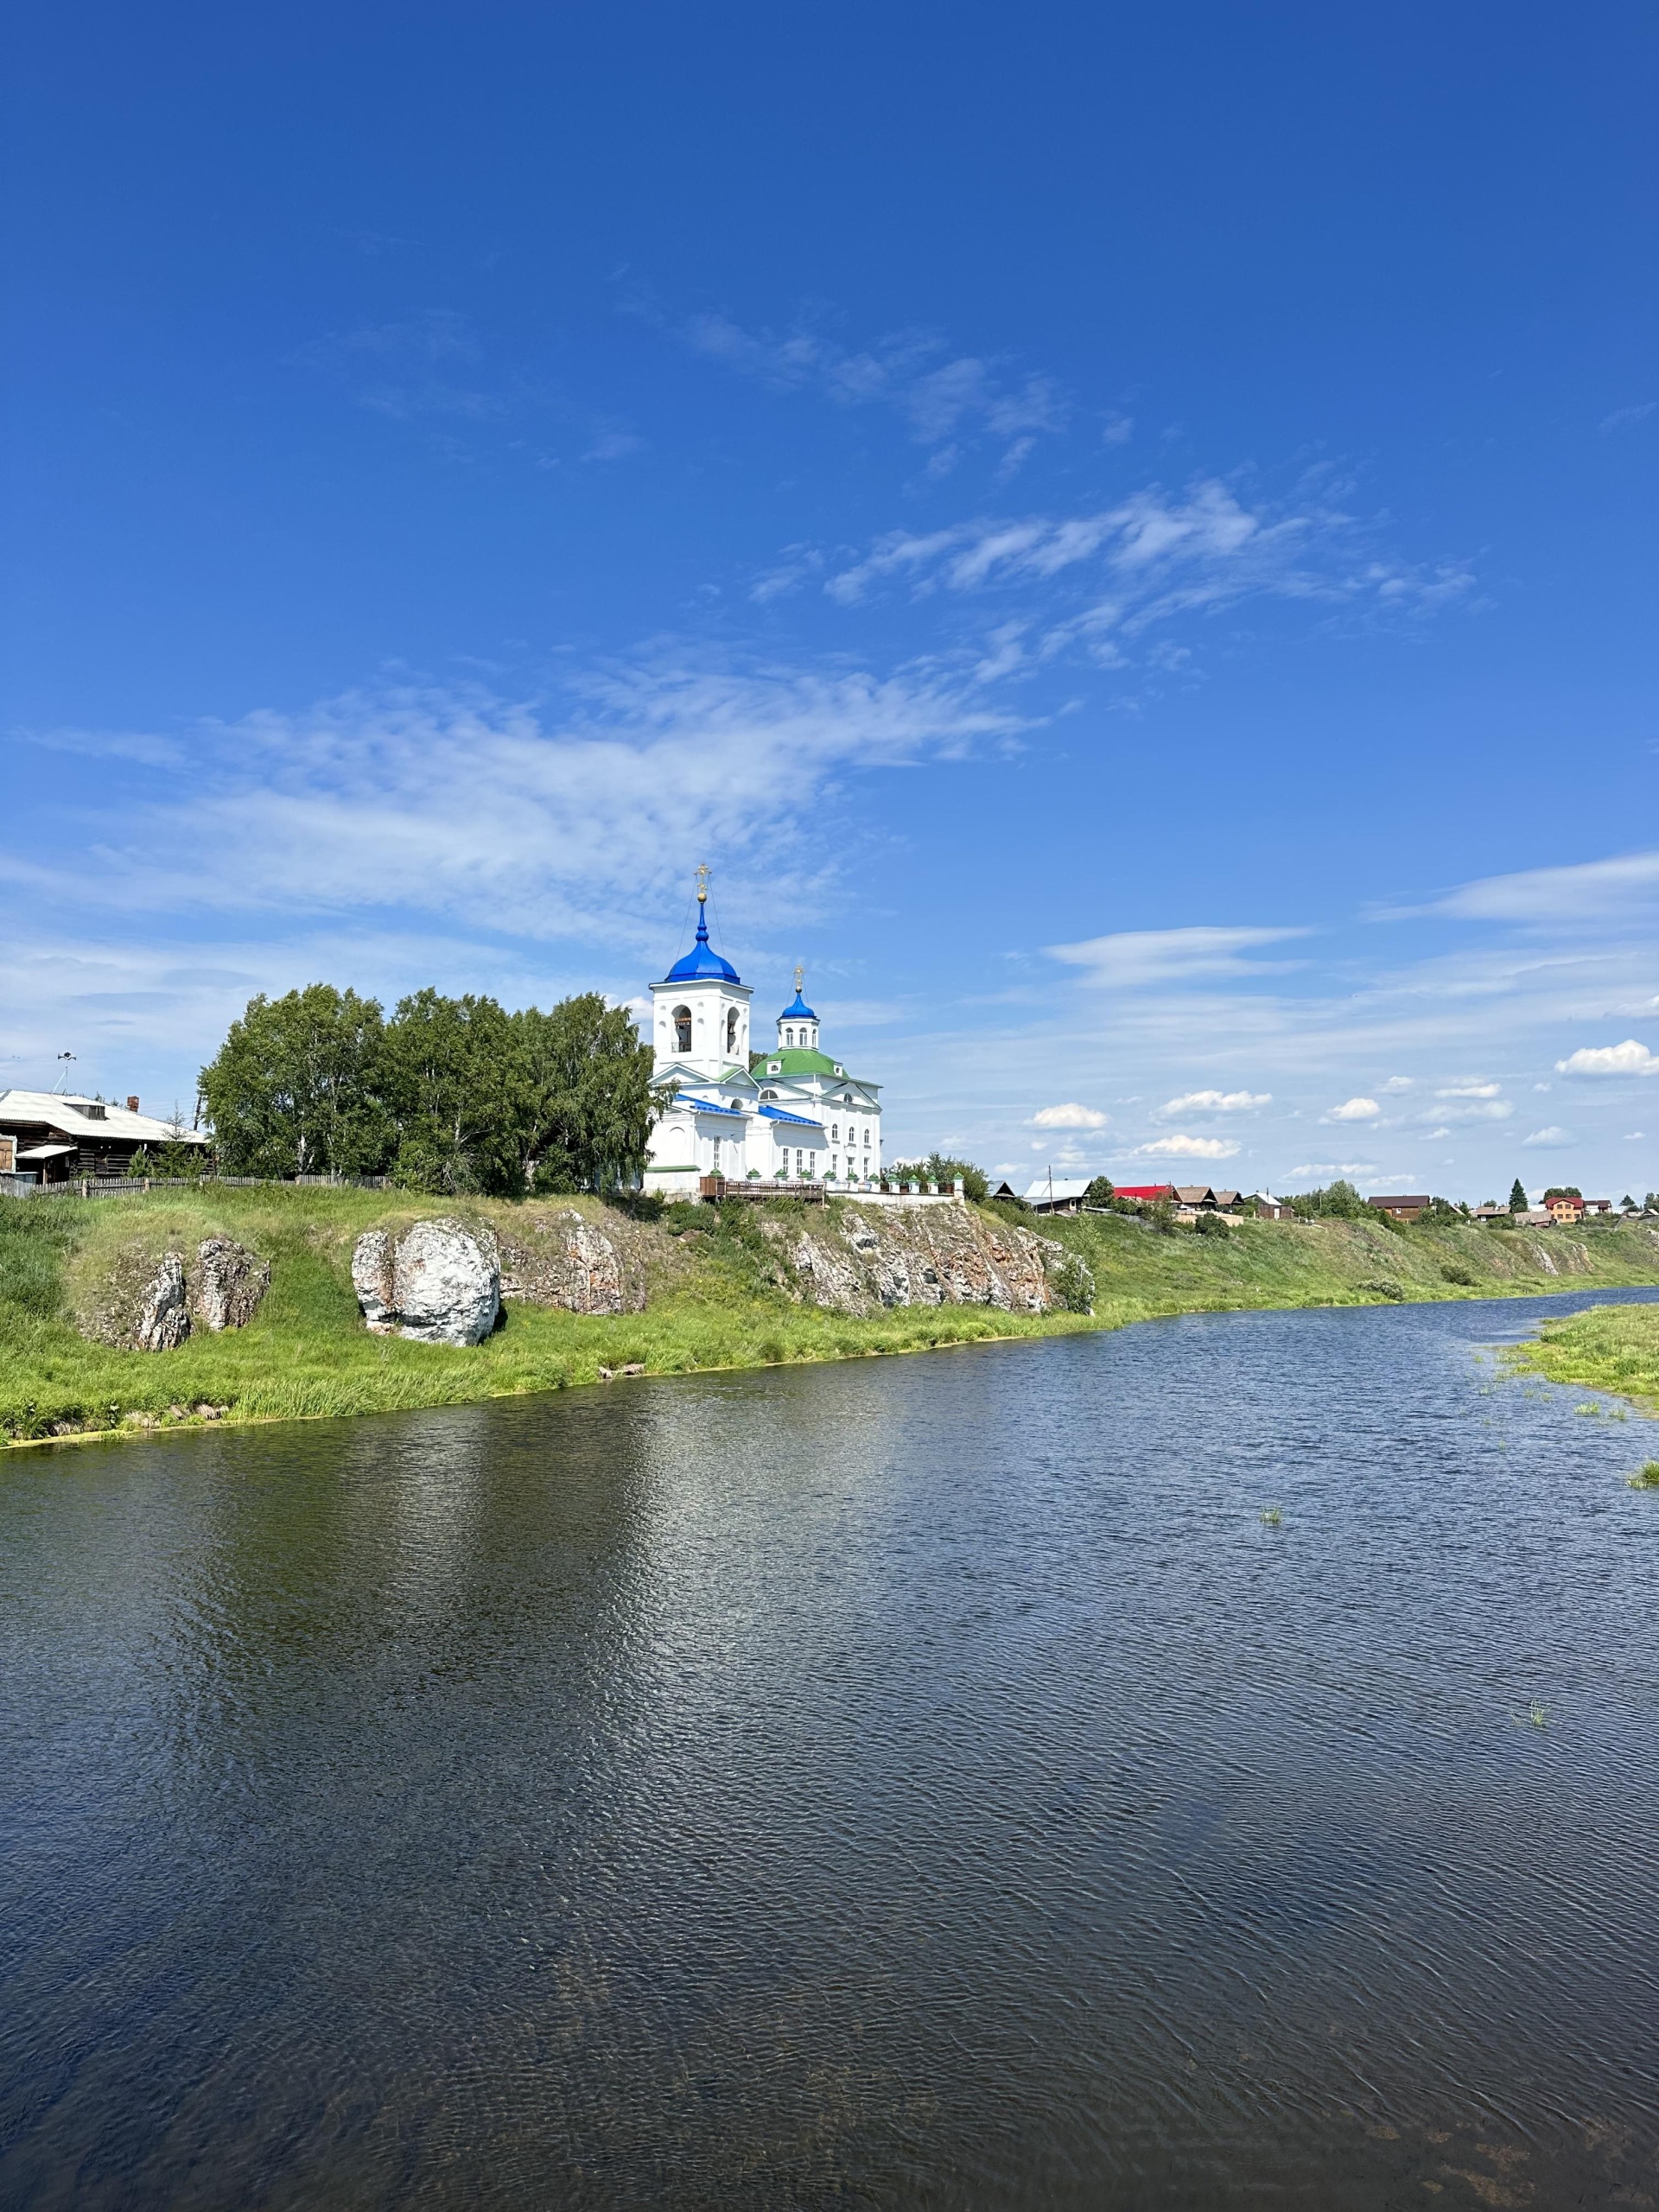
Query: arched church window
{"type": "Point", "coordinates": [683, 1028]}
{"type": "Point", "coordinates": [835, 1132]}
{"type": "Point", "coordinates": [788, 1036]}
{"type": "Point", "coordinates": [731, 1029]}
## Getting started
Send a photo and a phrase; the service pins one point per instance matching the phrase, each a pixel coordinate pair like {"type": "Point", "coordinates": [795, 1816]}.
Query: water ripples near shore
{"type": "Point", "coordinates": [928, 1781]}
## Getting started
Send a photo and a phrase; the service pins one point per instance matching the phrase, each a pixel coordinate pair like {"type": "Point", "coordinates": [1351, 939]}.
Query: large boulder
{"type": "Point", "coordinates": [439, 1283]}
{"type": "Point", "coordinates": [227, 1283]}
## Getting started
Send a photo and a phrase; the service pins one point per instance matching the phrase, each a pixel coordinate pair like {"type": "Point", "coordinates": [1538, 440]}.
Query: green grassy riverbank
{"type": "Point", "coordinates": [1614, 1348]}
{"type": "Point", "coordinates": [717, 1293]}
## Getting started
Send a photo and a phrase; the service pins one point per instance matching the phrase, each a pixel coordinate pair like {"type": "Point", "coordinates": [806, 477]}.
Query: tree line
{"type": "Point", "coordinates": [450, 1094]}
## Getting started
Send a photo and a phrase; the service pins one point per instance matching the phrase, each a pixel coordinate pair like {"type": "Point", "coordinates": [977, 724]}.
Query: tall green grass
{"type": "Point", "coordinates": [1607, 1348]}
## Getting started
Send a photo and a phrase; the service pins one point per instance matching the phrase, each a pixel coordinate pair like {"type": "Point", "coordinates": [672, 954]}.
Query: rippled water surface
{"type": "Point", "coordinates": [923, 1782]}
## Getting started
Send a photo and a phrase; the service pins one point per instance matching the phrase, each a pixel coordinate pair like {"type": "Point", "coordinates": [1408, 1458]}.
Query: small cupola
{"type": "Point", "coordinates": [798, 1026]}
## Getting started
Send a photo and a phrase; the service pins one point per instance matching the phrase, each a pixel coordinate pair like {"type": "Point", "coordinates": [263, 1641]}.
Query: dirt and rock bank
{"type": "Point", "coordinates": [863, 1258]}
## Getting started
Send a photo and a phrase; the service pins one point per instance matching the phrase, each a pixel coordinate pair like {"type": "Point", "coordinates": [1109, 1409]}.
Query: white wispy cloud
{"type": "Point", "coordinates": [1622, 417]}
{"type": "Point", "coordinates": [1583, 892]}
{"type": "Point", "coordinates": [944, 397]}
{"type": "Point", "coordinates": [1628, 1058]}
{"type": "Point", "coordinates": [1129, 957]}
{"type": "Point", "coordinates": [1469, 1089]}
{"type": "Point", "coordinates": [1353, 1109]}
{"type": "Point", "coordinates": [1463, 1111]}
{"type": "Point", "coordinates": [1187, 1148]}
{"type": "Point", "coordinates": [1214, 1102]}
{"type": "Point", "coordinates": [550, 818]}
{"type": "Point", "coordinates": [1105, 577]}
{"type": "Point", "coordinates": [1331, 1168]}
{"type": "Point", "coordinates": [1071, 1116]}
{"type": "Point", "coordinates": [1550, 1139]}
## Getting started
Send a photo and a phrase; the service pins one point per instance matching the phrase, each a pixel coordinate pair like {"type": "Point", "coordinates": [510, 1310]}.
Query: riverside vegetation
{"type": "Point", "coordinates": [1613, 1348]}
{"type": "Point", "coordinates": [709, 1288]}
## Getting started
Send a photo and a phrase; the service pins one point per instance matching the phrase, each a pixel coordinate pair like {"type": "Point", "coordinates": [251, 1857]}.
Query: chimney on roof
{"type": "Point", "coordinates": [132, 1105]}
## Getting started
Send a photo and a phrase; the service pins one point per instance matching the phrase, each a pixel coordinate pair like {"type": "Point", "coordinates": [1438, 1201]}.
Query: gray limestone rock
{"type": "Point", "coordinates": [439, 1283]}
{"type": "Point", "coordinates": [924, 1255]}
{"type": "Point", "coordinates": [228, 1283]}
{"type": "Point", "coordinates": [163, 1317]}
{"type": "Point", "coordinates": [563, 1259]}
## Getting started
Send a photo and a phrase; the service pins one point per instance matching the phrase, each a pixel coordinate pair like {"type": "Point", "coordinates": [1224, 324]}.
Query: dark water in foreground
{"type": "Point", "coordinates": [923, 1782]}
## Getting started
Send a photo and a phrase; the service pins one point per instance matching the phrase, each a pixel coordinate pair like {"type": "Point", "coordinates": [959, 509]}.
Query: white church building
{"type": "Point", "coordinates": [786, 1112]}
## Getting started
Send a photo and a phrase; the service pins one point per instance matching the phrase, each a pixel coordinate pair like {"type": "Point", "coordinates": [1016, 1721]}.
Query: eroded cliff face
{"type": "Point", "coordinates": [922, 1256]}
{"type": "Point", "coordinates": [146, 1300]}
{"type": "Point", "coordinates": [554, 1255]}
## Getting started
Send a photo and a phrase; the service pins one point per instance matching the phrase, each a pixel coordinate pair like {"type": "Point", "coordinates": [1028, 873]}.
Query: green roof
{"type": "Point", "coordinates": [791, 1060]}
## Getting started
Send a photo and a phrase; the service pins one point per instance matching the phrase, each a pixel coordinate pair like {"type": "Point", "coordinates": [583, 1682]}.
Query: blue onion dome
{"type": "Point", "coordinates": [799, 1012]}
{"type": "Point", "coordinates": [703, 964]}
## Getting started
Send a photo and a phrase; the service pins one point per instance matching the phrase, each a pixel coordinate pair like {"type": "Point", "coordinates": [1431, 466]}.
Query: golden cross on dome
{"type": "Point", "coordinates": [702, 883]}
{"type": "Point", "coordinates": [800, 977]}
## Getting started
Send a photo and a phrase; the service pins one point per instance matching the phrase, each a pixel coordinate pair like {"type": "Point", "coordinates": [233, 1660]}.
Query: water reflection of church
{"type": "Point", "coordinates": [786, 1114]}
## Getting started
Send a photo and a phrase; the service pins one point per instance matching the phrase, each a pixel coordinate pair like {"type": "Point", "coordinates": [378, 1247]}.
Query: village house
{"type": "Point", "coordinates": [58, 1138]}
{"type": "Point", "coordinates": [1564, 1210]}
{"type": "Point", "coordinates": [1412, 1207]}
{"type": "Point", "coordinates": [1057, 1193]}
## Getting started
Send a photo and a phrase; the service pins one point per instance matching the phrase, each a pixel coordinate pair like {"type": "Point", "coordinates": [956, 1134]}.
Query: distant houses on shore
{"type": "Point", "coordinates": [1052, 1194]}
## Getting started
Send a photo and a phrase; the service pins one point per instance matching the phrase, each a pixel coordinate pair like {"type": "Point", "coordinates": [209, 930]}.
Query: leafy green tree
{"type": "Point", "coordinates": [1339, 1200]}
{"type": "Point", "coordinates": [1562, 1191]}
{"type": "Point", "coordinates": [1650, 1203]}
{"type": "Point", "coordinates": [1517, 1197]}
{"type": "Point", "coordinates": [939, 1169]}
{"type": "Point", "coordinates": [452, 1075]}
{"type": "Point", "coordinates": [1100, 1192]}
{"type": "Point", "coordinates": [586, 1106]}
{"type": "Point", "coordinates": [292, 1089]}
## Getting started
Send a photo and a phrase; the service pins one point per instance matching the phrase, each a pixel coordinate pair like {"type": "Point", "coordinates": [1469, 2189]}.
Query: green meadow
{"type": "Point", "coordinates": [716, 1298]}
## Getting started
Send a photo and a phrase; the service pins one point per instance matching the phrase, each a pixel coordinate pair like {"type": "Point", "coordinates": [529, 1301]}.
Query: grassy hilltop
{"type": "Point", "coordinates": [719, 1292]}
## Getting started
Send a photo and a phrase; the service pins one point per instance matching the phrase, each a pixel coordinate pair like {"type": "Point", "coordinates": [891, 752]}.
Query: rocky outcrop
{"type": "Point", "coordinates": [147, 1301]}
{"type": "Point", "coordinates": [928, 1255]}
{"type": "Point", "coordinates": [226, 1284]}
{"type": "Point", "coordinates": [561, 1258]}
{"type": "Point", "coordinates": [162, 1321]}
{"type": "Point", "coordinates": [439, 1283]}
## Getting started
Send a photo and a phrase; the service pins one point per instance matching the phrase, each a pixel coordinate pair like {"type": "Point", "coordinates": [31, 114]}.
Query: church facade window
{"type": "Point", "coordinates": [682, 1029]}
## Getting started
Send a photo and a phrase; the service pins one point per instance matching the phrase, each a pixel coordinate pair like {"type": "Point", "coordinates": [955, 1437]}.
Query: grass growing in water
{"type": "Point", "coordinates": [1646, 1477]}
{"type": "Point", "coordinates": [1613, 1348]}
{"type": "Point", "coordinates": [1273, 1517]}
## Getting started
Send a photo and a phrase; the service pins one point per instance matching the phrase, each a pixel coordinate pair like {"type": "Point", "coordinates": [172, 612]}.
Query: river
{"type": "Point", "coordinates": [923, 1782]}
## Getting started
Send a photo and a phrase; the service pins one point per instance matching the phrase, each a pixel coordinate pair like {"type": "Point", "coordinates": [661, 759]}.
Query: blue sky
{"type": "Point", "coordinates": [1124, 537]}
